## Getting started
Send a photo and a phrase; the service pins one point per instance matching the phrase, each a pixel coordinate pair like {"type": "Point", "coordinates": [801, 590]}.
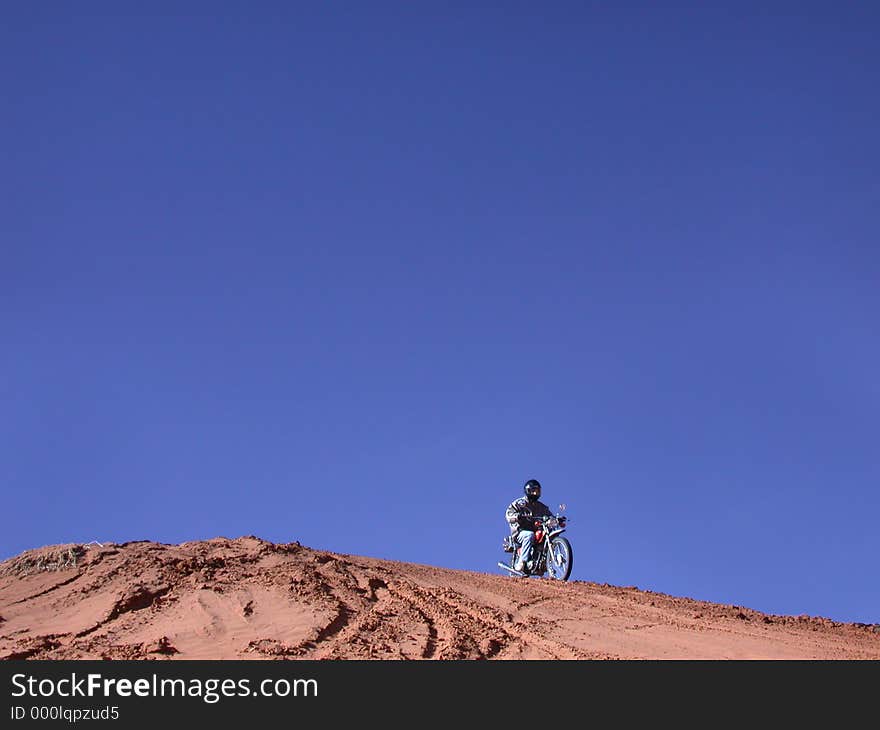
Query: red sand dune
{"type": "Point", "coordinates": [251, 599]}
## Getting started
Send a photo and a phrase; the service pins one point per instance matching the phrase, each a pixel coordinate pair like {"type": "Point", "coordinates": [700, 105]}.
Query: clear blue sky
{"type": "Point", "coordinates": [350, 273]}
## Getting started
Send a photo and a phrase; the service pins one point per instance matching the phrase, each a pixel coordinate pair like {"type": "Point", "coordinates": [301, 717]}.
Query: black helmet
{"type": "Point", "coordinates": [532, 489]}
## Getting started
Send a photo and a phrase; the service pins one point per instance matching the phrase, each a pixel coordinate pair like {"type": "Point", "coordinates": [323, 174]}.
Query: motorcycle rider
{"type": "Point", "coordinates": [520, 515]}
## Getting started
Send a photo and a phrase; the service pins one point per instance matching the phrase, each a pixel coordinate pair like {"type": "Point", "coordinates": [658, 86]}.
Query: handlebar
{"type": "Point", "coordinates": [560, 519]}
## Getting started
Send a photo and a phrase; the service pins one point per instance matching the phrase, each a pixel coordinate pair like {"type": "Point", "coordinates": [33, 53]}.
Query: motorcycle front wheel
{"type": "Point", "coordinates": [560, 559]}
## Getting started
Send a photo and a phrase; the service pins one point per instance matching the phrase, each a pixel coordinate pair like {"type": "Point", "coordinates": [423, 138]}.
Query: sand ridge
{"type": "Point", "coordinates": [247, 598]}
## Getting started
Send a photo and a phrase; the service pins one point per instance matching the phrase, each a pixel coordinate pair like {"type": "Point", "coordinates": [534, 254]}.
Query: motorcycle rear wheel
{"type": "Point", "coordinates": [560, 559]}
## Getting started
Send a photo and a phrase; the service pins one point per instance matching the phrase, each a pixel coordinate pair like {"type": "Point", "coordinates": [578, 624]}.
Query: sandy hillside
{"type": "Point", "coordinates": [250, 599]}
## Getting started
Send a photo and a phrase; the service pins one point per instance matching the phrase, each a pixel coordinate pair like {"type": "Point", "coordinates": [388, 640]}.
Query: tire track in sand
{"type": "Point", "coordinates": [468, 630]}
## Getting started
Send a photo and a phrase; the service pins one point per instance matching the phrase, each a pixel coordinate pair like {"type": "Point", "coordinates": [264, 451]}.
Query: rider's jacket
{"type": "Point", "coordinates": [522, 507]}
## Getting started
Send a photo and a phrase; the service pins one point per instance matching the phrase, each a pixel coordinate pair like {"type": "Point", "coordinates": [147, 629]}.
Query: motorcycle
{"type": "Point", "coordinates": [551, 553]}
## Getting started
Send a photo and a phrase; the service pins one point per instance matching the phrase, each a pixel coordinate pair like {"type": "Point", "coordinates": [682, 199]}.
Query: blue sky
{"type": "Point", "coordinates": [350, 273]}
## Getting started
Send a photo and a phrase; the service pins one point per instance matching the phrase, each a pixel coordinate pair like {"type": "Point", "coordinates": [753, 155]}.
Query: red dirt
{"type": "Point", "coordinates": [251, 599]}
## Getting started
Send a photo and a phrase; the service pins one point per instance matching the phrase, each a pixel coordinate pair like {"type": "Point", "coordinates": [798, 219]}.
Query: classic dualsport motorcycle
{"type": "Point", "coordinates": [551, 553]}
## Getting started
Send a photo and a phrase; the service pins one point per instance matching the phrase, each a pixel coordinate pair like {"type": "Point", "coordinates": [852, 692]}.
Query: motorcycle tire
{"type": "Point", "coordinates": [560, 559]}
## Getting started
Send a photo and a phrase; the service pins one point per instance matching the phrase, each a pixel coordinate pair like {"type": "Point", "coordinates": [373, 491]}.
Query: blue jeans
{"type": "Point", "coordinates": [525, 539]}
